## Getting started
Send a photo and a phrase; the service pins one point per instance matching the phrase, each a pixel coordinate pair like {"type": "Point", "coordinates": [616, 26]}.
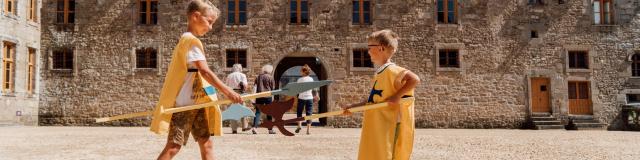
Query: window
{"type": "Point", "coordinates": [361, 12]}
{"type": "Point", "coordinates": [8, 63]}
{"type": "Point", "coordinates": [146, 58]}
{"type": "Point", "coordinates": [448, 58]}
{"type": "Point", "coordinates": [633, 98]}
{"type": "Point", "coordinates": [534, 34]}
{"type": "Point", "coordinates": [33, 10]}
{"type": "Point", "coordinates": [237, 14]}
{"type": "Point", "coordinates": [236, 56]}
{"type": "Point", "coordinates": [63, 58]}
{"type": "Point", "coordinates": [447, 11]}
{"type": "Point", "coordinates": [31, 69]}
{"type": "Point", "coordinates": [10, 7]}
{"type": "Point", "coordinates": [635, 65]}
{"type": "Point", "coordinates": [536, 2]}
{"type": "Point", "coordinates": [361, 58]}
{"type": "Point", "coordinates": [602, 12]}
{"type": "Point", "coordinates": [148, 12]}
{"type": "Point", "coordinates": [299, 12]}
{"type": "Point", "coordinates": [578, 60]}
{"type": "Point", "coordinates": [578, 90]}
{"type": "Point", "coordinates": [65, 12]}
{"type": "Point", "coordinates": [579, 97]}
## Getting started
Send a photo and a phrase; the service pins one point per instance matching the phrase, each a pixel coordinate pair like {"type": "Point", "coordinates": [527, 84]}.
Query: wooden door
{"type": "Point", "coordinates": [540, 95]}
{"type": "Point", "coordinates": [580, 98]}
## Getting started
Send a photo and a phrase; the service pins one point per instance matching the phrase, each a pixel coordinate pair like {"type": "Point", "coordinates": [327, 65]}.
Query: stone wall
{"type": "Point", "coordinates": [489, 90]}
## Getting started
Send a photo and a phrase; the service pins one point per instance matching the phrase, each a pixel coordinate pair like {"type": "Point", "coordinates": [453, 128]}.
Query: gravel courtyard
{"type": "Point", "coordinates": [323, 143]}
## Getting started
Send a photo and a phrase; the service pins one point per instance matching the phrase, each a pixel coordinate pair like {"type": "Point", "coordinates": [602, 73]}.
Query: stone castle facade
{"type": "Point", "coordinates": [484, 63]}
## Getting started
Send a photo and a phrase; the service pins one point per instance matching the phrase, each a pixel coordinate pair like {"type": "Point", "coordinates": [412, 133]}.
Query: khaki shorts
{"type": "Point", "coordinates": [183, 123]}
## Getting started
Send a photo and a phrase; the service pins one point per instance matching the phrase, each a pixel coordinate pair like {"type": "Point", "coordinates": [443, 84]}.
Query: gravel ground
{"type": "Point", "coordinates": [323, 143]}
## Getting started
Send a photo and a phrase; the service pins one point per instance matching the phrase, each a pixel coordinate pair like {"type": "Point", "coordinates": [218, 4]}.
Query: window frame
{"type": "Point", "coordinates": [536, 2]}
{"type": "Point", "coordinates": [148, 13]}
{"type": "Point", "coordinates": [150, 62]}
{"type": "Point", "coordinates": [66, 53]}
{"type": "Point", "coordinates": [33, 11]}
{"type": "Point", "coordinates": [575, 58]}
{"type": "Point", "coordinates": [8, 74]}
{"type": "Point", "coordinates": [299, 12]}
{"type": "Point", "coordinates": [236, 58]}
{"type": "Point", "coordinates": [447, 58]}
{"type": "Point", "coordinates": [66, 12]}
{"type": "Point", "coordinates": [361, 13]}
{"type": "Point", "coordinates": [31, 69]}
{"type": "Point", "coordinates": [602, 14]}
{"type": "Point", "coordinates": [364, 53]}
{"type": "Point", "coordinates": [10, 9]}
{"type": "Point", "coordinates": [445, 11]}
{"type": "Point", "coordinates": [635, 65]}
{"type": "Point", "coordinates": [237, 12]}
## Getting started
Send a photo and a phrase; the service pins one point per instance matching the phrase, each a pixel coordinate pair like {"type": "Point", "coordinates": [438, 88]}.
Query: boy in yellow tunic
{"type": "Point", "coordinates": [188, 82]}
{"type": "Point", "coordinates": [387, 133]}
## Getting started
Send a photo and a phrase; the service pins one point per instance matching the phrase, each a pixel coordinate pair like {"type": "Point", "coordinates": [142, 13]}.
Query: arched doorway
{"type": "Point", "coordinates": [287, 70]}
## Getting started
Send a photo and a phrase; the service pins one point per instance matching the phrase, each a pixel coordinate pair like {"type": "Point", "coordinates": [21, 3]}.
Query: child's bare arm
{"type": "Point", "coordinates": [210, 77]}
{"type": "Point", "coordinates": [354, 105]}
{"type": "Point", "coordinates": [411, 81]}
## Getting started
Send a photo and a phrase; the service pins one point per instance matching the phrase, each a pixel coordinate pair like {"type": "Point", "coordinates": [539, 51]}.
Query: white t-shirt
{"type": "Point", "coordinates": [306, 95]}
{"type": "Point", "coordinates": [184, 96]}
{"type": "Point", "coordinates": [234, 79]}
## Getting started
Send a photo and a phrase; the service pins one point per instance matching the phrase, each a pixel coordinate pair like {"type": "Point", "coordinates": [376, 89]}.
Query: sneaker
{"type": "Point", "coordinates": [298, 130]}
{"type": "Point", "coordinates": [254, 132]}
{"type": "Point", "coordinates": [272, 132]}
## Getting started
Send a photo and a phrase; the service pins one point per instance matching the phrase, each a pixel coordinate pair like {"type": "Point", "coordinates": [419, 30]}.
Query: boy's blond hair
{"type": "Point", "coordinates": [202, 6]}
{"type": "Point", "coordinates": [386, 38]}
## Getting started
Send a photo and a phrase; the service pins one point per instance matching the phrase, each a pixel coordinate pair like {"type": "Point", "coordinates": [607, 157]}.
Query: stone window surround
{"type": "Point", "coordinates": [590, 61]}
{"type": "Point", "coordinates": [34, 11]}
{"type": "Point", "coordinates": [448, 25]}
{"type": "Point", "coordinates": [461, 52]}
{"type": "Point", "coordinates": [34, 91]}
{"type": "Point", "coordinates": [622, 96]}
{"type": "Point", "coordinates": [2, 69]}
{"type": "Point", "coordinates": [14, 7]}
{"type": "Point", "coordinates": [8, 15]}
{"type": "Point", "coordinates": [73, 71]}
{"type": "Point", "coordinates": [349, 50]}
{"type": "Point", "coordinates": [159, 58]}
{"type": "Point", "coordinates": [593, 90]}
{"type": "Point", "coordinates": [237, 47]}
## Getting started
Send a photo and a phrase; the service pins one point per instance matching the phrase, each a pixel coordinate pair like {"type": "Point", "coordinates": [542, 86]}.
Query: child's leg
{"type": "Point", "coordinates": [206, 148]}
{"type": "Point", "coordinates": [200, 133]}
{"type": "Point", "coordinates": [178, 133]}
{"type": "Point", "coordinates": [170, 150]}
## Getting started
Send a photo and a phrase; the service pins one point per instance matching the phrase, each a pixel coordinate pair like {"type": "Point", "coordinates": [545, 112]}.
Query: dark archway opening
{"type": "Point", "coordinates": [286, 72]}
